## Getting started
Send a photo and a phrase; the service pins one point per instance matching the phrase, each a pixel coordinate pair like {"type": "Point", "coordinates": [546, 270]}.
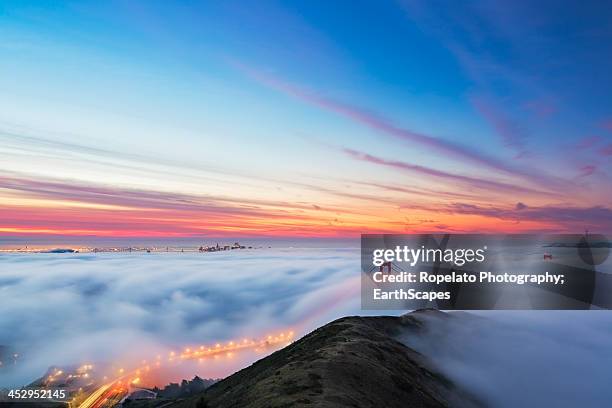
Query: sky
{"type": "Point", "coordinates": [303, 118]}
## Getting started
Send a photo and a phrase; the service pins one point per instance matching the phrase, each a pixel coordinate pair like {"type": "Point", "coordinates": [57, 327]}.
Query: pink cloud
{"type": "Point", "coordinates": [385, 126]}
{"type": "Point", "coordinates": [482, 184]}
{"type": "Point", "coordinates": [573, 219]}
{"type": "Point", "coordinates": [587, 170]}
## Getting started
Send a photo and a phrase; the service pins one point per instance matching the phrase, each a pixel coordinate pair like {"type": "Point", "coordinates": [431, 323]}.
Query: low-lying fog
{"type": "Point", "coordinates": [529, 359]}
{"type": "Point", "coordinates": [62, 309]}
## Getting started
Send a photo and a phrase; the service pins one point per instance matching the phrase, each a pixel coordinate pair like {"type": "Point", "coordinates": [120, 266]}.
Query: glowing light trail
{"type": "Point", "coordinates": [115, 389]}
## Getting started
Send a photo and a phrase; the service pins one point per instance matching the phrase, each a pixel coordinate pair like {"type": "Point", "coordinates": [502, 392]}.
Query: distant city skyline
{"type": "Point", "coordinates": [170, 120]}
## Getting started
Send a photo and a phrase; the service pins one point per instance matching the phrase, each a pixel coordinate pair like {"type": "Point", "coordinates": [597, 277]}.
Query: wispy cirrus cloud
{"type": "Point", "coordinates": [385, 126]}
{"type": "Point", "coordinates": [29, 142]}
{"type": "Point", "coordinates": [419, 191]}
{"type": "Point", "coordinates": [65, 207]}
{"type": "Point", "coordinates": [587, 170]}
{"type": "Point", "coordinates": [69, 207]}
{"type": "Point", "coordinates": [138, 198]}
{"type": "Point", "coordinates": [481, 184]}
{"type": "Point", "coordinates": [567, 218]}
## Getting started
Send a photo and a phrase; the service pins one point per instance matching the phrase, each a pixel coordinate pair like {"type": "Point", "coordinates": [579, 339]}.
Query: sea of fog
{"type": "Point", "coordinates": [63, 309]}
{"type": "Point", "coordinates": [59, 309]}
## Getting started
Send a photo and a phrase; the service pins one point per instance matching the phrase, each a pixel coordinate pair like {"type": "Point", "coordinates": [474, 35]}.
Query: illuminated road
{"type": "Point", "coordinates": [112, 392]}
{"type": "Point", "coordinates": [96, 396]}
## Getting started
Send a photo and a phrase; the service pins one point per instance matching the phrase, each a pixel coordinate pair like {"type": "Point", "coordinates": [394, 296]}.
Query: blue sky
{"type": "Point", "coordinates": [300, 104]}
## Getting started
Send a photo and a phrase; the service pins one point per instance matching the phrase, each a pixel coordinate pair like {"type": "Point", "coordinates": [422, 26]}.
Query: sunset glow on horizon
{"type": "Point", "coordinates": [302, 120]}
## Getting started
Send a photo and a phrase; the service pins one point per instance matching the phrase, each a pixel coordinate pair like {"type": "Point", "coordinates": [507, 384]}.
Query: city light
{"type": "Point", "coordinates": [115, 388]}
